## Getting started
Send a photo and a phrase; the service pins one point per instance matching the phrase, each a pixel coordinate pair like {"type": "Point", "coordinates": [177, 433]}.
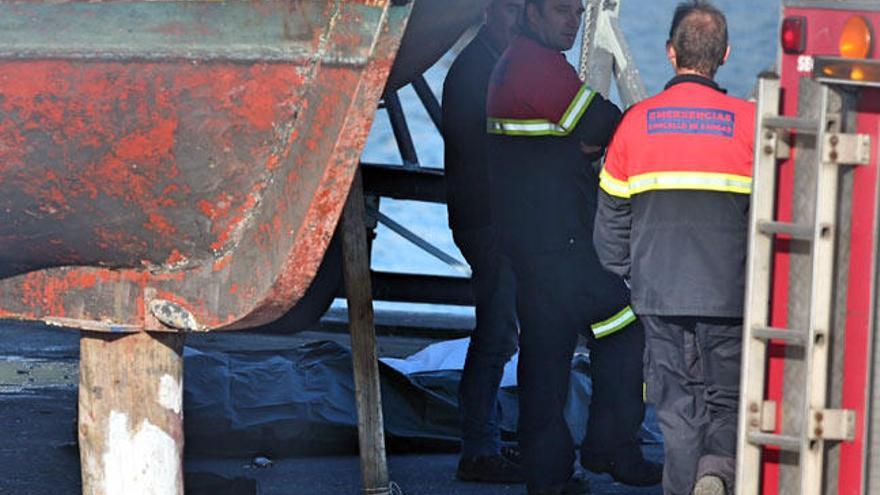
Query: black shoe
{"type": "Point", "coordinates": [633, 471]}
{"type": "Point", "coordinates": [512, 454]}
{"type": "Point", "coordinates": [577, 485]}
{"type": "Point", "coordinates": [489, 469]}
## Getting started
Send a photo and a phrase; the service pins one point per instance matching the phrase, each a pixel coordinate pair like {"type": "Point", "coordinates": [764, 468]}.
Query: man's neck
{"type": "Point", "coordinates": [693, 77]}
{"type": "Point", "coordinates": [492, 40]}
{"type": "Point", "coordinates": [691, 72]}
{"type": "Point", "coordinates": [489, 41]}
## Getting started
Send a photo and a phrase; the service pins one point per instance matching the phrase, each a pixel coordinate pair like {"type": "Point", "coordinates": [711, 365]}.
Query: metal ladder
{"type": "Point", "coordinates": [821, 150]}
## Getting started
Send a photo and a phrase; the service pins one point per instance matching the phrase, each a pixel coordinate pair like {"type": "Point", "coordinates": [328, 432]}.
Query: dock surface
{"type": "Point", "coordinates": [38, 454]}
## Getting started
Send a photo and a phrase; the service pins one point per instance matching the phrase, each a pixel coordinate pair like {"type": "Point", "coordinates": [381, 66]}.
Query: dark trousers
{"type": "Point", "coordinates": [493, 340]}
{"type": "Point", "coordinates": [559, 295]}
{"type": "Point", "coordinates": [694, 383]}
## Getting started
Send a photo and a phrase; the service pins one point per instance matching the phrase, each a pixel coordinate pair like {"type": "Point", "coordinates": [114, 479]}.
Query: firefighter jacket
{"type": "Point", "coordinates": [464, 135]}
{"type": "Point", "coordinates": [674, 200]}
{"type": "Point", "coordinates": [541, 119]}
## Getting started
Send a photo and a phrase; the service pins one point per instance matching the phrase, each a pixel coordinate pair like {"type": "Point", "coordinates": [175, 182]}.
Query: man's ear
{"type": "Point", "coordinates": [529, 16]}
{"type": "Point", "coordinates": [726, 55]}
{"type": "Point", "coordinates": [671, 55]}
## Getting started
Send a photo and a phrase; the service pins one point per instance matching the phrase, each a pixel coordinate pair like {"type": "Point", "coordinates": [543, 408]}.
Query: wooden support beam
{"type": "Point", "coordinates": [131, 413]}
{"type": "Point", "coordinates": [356, 268]}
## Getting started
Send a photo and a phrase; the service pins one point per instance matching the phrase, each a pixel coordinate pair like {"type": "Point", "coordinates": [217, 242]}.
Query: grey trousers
{"type": "Point", "coordinates": [693, 380]}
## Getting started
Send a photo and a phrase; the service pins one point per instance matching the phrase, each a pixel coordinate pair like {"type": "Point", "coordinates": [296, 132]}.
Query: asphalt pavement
{"type": "Point", "coordinates": [39, 455]}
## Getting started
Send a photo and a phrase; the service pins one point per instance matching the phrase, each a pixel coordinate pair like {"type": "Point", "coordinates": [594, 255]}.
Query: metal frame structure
{"type": "Point", "coordinates": [605, 54]}
{"type": "Point", "coordinates": [605, 58]}
{"type": "Point", "coordinates": [411, 181]}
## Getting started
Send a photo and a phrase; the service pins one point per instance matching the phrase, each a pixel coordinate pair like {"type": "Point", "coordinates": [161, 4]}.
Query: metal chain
{"type": "Point", "coordinates": [591, 17]}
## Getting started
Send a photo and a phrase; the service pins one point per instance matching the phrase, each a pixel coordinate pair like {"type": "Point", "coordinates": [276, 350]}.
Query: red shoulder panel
{"type": "Point", "coordinates": [531, 81]}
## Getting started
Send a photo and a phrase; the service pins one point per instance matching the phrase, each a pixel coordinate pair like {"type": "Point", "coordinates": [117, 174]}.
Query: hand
{"type": "Point", "coordinates": [589, 149]}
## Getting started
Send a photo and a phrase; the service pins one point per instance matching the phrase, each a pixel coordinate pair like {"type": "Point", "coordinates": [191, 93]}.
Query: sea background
{"type": "Point", "coordinates": [753, 26]}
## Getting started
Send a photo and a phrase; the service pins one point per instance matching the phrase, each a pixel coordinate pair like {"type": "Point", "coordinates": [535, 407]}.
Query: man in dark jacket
{"type": "Point", "coordinates": [672, 218]}
{"type": "Point", "coordinates": [493, 340]}
{"type": "Point", "coordinates": [546, 130]}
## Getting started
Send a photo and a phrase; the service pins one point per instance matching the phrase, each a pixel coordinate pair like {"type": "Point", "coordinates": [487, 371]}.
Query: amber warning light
{"type": "Point", "coordinates": [794, 34]}
{"type": "Point", "coordinates": [847, 71]}
{"type": "Point", "coordinates": [856, 40]}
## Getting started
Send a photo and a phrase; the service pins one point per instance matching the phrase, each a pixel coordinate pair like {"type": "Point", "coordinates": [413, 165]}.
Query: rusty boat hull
{"type": "Point", "coordinates": [179, 165]}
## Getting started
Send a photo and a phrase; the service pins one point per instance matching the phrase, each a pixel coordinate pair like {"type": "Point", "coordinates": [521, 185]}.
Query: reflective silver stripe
{"type": "Point", "coordinates": [541, 127]}
{"type": "Point", "coordinates": [690, 180]}
{"type": "Point", "coordinates": [704, 181]}
{"type": "Point", "coordinates": [523, 127]}
{"type": "Point", "coordinates": [576, 109]}
{"type": "Point", "coordinates": [614, 324]}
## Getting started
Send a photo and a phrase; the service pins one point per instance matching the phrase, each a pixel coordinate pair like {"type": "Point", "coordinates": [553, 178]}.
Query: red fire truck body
{"type": "Point", "coordinates": [813, 35]}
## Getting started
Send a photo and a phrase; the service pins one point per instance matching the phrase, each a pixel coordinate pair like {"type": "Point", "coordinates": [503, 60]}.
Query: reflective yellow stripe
{"type": "Point", "coordinates": [576, 109]}
{"type": "Point", "coordinates": [510, 127]}
{"type": "Point", "coordinates": [612, 186]}
{"type": "Point", "coordinates": [704, 181]}
{"type": "Point", "coordinates": [614, 324]}
{"type": "Point", "coordinates": [656, 181]}
{"type": "Point", "coordinates": [542, 127]}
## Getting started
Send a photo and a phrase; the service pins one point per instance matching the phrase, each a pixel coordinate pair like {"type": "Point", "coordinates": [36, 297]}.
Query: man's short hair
{"type": "Point", "coordinates": [699, 36]}
{"type": "Point", "coordinates": [537, 3]}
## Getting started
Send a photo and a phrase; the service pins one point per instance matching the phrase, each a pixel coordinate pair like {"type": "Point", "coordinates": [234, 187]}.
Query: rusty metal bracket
{"type": "Point", "coordinates": [833, 424]}
{"type": "Point", "coordinates": [847, 149]}
{"type": "Point", "coordinates": [173, 315]}
{"type": "Point", "coordinates": [768, 416]}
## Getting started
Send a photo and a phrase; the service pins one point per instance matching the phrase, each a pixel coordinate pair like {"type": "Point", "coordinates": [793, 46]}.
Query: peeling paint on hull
{"type": "Point", "coordinates": [209, 177]}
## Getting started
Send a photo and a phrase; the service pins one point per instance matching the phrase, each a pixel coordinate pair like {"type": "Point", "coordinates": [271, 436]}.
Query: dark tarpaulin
{"type": "Point", "coordinates": [301, 401]}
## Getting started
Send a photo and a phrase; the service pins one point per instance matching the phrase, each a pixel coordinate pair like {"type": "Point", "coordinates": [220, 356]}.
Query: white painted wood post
{"type": "Point", "coordinates": [131, 413]}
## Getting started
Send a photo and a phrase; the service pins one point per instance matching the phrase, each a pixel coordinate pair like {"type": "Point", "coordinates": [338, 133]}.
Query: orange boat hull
{"type": "Point", "coordinates": [186, 168]}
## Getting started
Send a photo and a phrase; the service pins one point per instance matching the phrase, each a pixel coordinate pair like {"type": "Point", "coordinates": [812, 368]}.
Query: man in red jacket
{"type": "Point", "coordinates": [673, 218]}
{"type": "Point", "coordinates": [546, 130]}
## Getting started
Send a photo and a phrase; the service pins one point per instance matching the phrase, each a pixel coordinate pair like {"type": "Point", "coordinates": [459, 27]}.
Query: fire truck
{"type": "Point", "coordinates": [810, 398]}
{"type": "Point", "coordinates": [810, 408]}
